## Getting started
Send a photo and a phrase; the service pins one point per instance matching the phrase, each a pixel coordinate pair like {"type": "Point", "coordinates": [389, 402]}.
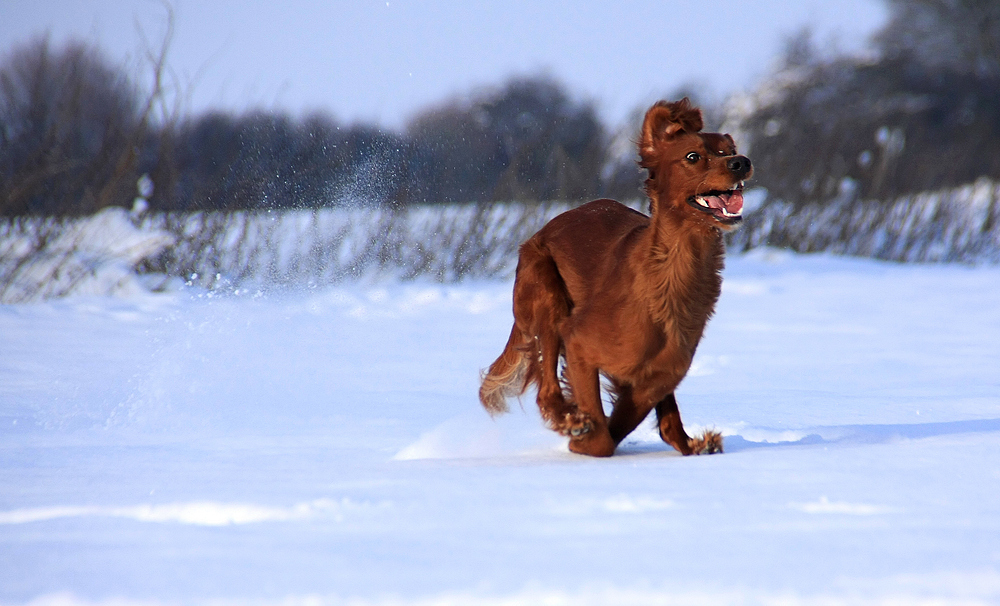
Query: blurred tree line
{"type": "Point", "coordinates": [923, 112]}
{"type": "Point", "coordinates": [76, 135]}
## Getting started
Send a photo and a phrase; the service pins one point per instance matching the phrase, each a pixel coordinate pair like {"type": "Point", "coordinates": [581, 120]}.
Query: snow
{"type": "Point", "coordinates": [326, 446]}
{"type": "Point", "coordinates": [96, 255]}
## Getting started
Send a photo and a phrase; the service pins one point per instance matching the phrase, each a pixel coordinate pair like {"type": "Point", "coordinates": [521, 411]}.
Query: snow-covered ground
{"type": "Point", "coordinates": [327, 447]}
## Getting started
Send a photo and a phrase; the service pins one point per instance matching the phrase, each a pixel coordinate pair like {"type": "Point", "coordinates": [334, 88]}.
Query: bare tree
{"type": "Point", "coordinates": [74, 127]}
{"type": "Point", "coordinates": [67, 120]}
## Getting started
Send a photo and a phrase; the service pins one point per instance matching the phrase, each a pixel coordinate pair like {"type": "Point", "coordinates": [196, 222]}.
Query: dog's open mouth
{"type": "Point", "coordinates": [725, 206]}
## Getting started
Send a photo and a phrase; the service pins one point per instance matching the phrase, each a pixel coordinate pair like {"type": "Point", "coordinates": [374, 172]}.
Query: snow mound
{"type": "Point", "coordinates": [479, 437]}
{"type": "Point", "coordinates": [95, 255]}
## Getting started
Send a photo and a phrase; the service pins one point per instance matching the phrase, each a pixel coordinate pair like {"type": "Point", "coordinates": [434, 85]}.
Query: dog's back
{"type": "Point", "coordinates": [591, 246]}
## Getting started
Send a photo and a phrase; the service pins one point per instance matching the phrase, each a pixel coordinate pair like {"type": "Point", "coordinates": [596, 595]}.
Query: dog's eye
{"type": "Point", "coordinates": [693, 157]}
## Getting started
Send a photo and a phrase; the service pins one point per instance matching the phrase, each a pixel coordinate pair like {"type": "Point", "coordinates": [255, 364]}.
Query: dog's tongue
{"type": "Point", "coordinates": [732, 203]}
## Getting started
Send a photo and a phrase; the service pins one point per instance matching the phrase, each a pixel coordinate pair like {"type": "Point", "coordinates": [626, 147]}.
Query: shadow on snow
{"type": "Point", "coordinates": [869, 434]}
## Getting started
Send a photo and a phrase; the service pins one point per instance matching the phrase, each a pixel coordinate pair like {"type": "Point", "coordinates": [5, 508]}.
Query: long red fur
{"type": "Point", "coordinates": [610, 292]}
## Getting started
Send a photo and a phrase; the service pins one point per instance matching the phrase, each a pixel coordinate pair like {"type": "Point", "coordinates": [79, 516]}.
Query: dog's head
{"type": "Point", "coordinates": [698, 173]}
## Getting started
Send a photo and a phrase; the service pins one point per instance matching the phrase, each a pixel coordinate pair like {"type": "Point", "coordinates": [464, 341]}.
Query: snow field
{"type": "Point", "coordinates": [327, 447]}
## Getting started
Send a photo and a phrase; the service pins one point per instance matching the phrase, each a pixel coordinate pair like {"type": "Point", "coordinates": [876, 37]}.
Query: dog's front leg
{"type": "Point", "coordinates": [627, 414]}
{"type": "Point", "coordinates": [671, 429]}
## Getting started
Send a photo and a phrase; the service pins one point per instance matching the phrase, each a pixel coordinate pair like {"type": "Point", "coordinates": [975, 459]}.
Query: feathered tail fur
{"type": "Point", "coordinates": [507, 377]}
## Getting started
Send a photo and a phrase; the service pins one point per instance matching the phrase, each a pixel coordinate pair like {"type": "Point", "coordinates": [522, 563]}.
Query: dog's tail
{"type": "Point", "coordinates": [506, 377]}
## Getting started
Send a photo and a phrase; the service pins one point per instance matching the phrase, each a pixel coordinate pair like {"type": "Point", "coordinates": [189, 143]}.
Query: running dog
{"type": "Point", "coordinates": [603, 290]}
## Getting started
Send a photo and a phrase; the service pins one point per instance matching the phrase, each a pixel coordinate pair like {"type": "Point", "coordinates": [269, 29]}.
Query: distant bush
{"type": "Point", "coordinates": [113, 251]}
{"type": "Point", "coordinates": [102, 254]}
{"type": "Point", "coordinates": [960, 224]}
{"type": "Point", "coordinates": [454, 242]}
{"type": "Point", "coordinates": [319, 247]}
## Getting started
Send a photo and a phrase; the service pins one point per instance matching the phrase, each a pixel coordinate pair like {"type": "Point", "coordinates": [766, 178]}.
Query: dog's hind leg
{"type": "Point", "coordinates": [541, 304]}
{"type": "Point", "coordinates": [585, 386]}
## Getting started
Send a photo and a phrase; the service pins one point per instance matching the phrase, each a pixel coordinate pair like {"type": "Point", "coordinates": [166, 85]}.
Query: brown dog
{"type": "Point", "coordinates": [613, 292]}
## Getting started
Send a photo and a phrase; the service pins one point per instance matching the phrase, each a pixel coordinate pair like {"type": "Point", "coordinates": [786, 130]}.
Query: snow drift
{"type": "Point", "coordinates": [42, 258]}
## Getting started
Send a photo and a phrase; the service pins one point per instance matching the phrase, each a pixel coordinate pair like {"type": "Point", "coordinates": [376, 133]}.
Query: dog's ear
{"type": "Point", "coordinates": [665, 120]}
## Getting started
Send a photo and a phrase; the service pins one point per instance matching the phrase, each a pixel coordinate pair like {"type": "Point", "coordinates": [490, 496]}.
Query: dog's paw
{"type": "Point", "coordinates": [709, 442]}
{"type": "Point", "coordinates": [576, 425]}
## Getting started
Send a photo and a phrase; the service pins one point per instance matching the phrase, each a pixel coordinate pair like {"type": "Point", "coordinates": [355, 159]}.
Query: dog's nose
{"type": "Point", "coordinates": [739, 166]}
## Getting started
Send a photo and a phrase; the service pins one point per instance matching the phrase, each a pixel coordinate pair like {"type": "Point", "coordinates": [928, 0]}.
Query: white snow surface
{"type": "Point", "coordinates": [327, 447]}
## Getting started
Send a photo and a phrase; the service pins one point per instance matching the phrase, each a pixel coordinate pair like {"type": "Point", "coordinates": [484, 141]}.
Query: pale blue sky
{"type": "Point", "coordinates": [383, 61]}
